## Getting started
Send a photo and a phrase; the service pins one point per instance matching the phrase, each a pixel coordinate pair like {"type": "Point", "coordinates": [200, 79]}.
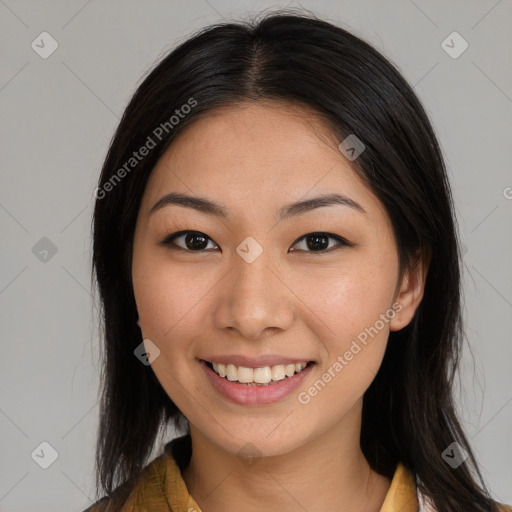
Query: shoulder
{"type": "Point", "coordinates": [147, 488]}
{"type": "Point", "coordinates": [99, 506]}
{"type": "Point", "coordinates": [425, 504]}
{"type": "Point", "coordinates": [156, 486]}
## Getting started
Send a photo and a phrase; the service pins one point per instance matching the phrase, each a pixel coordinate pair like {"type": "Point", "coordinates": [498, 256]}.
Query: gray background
{"type": "Point", "coordinates": [58, 115]}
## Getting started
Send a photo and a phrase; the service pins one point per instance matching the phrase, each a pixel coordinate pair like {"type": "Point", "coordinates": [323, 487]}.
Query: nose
{"type": "Point", "coordinates": [255, 300]}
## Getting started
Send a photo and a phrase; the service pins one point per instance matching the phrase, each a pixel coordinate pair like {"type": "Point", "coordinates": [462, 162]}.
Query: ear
{"type": "Point", "coordinates": [138, 321]}
{"type": "Point", "coordinates": [410, 292]}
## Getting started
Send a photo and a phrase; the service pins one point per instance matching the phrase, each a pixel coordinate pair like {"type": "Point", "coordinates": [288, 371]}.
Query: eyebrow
{"type": "Point", "coordinates": [209, 207]}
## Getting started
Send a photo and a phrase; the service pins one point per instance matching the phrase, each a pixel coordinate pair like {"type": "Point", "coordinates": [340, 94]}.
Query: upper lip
{"type": "Point", "coordinates": [255, 362]}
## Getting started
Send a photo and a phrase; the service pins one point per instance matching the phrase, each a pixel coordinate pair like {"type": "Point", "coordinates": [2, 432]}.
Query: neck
{"type": "Point", "coordinates": [328, 473]}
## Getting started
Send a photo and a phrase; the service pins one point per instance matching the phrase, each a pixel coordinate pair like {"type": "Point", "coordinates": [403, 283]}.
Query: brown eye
{"type": "Point", "coordinates": [193, 241]}
{"type": "Point", "coordinates": [319, 242]}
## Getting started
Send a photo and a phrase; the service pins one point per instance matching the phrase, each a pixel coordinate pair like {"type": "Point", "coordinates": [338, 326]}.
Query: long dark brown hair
{"type": "Point", "coordinates": [408, 410]}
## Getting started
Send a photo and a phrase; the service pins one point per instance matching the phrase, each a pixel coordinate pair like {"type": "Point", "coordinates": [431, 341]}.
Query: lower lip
{"type": "Point", "coordinates": [246, 394]}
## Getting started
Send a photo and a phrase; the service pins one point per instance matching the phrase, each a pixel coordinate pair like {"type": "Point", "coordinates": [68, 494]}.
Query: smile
{"type": "Point", "coordinates": [256, 376]}
{"type": "Point", "coordinates": [239, 384]}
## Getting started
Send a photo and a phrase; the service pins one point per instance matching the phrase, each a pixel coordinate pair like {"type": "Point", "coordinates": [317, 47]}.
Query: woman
{"type": "Point", "coordinates": [277, 257]}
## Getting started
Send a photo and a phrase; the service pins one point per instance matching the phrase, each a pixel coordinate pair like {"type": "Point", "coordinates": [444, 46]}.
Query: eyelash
{"type": "Point", "coordinates": [168, 241]}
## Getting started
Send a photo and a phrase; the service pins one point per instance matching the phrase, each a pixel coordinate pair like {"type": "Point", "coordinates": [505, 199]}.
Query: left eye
{"type": "Point", "coordinates": [195, 241]}
{"type": "Point", "coordinates": [319, 242]}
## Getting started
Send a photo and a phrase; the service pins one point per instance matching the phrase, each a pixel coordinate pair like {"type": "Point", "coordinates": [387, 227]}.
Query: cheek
{"type": "Point", "coordinates": [354, 339]}
{"type": "Point", "coordinates": [172, 301]}
{"type": "Point", "coordinates": [354, 311]}
{"type": "Point", "coordinates": [351, 301]}
{"type": "Point", "coordinates": [163, 298]}
{"type": "Point", "coordinates": [169, 304]}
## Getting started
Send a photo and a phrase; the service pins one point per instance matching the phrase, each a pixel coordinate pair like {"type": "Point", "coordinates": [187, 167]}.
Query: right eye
{"type": "Point", "coordinates": [194, 241]}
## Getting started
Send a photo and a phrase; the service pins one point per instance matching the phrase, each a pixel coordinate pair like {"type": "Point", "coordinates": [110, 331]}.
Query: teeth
{"type": "Point", "coordinates": [262, 375]}
{"type": "Point", "coordinates": [289, 370]}
{"type": "Point", "coordinates": [277, 372]}
{"type": "Point", "coordinates": [245, 375]}
{"type": "Point", "coordinates": [231, 372]}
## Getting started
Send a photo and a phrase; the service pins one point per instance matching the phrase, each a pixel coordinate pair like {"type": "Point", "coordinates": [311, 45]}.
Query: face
{"type": "Point", "coordinates": [254, 289]}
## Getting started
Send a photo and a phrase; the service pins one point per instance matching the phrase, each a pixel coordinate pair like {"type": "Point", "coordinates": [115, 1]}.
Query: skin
{"type": "Point", "coordinates": [255, 158]}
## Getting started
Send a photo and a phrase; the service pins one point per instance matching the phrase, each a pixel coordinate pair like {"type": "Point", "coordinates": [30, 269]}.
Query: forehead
{"type": "Point", "coordinates": [256, 153]}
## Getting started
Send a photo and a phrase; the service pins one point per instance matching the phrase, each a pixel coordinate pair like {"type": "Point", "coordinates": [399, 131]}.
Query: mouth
{"type": "Point", "coordinates": [257, 377]}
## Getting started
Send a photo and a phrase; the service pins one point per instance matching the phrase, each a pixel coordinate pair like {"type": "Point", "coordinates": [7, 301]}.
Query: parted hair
{"type": "Point", "coordinates": [409, 413]}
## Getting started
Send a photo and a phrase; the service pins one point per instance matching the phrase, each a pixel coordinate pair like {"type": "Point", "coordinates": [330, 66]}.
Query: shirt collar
{"type": "Point", "coordinates": [401, 496]}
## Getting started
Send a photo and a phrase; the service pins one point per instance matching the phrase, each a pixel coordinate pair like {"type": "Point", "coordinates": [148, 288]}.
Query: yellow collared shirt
{"type": "Point", "coordinates": [161, 488]}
